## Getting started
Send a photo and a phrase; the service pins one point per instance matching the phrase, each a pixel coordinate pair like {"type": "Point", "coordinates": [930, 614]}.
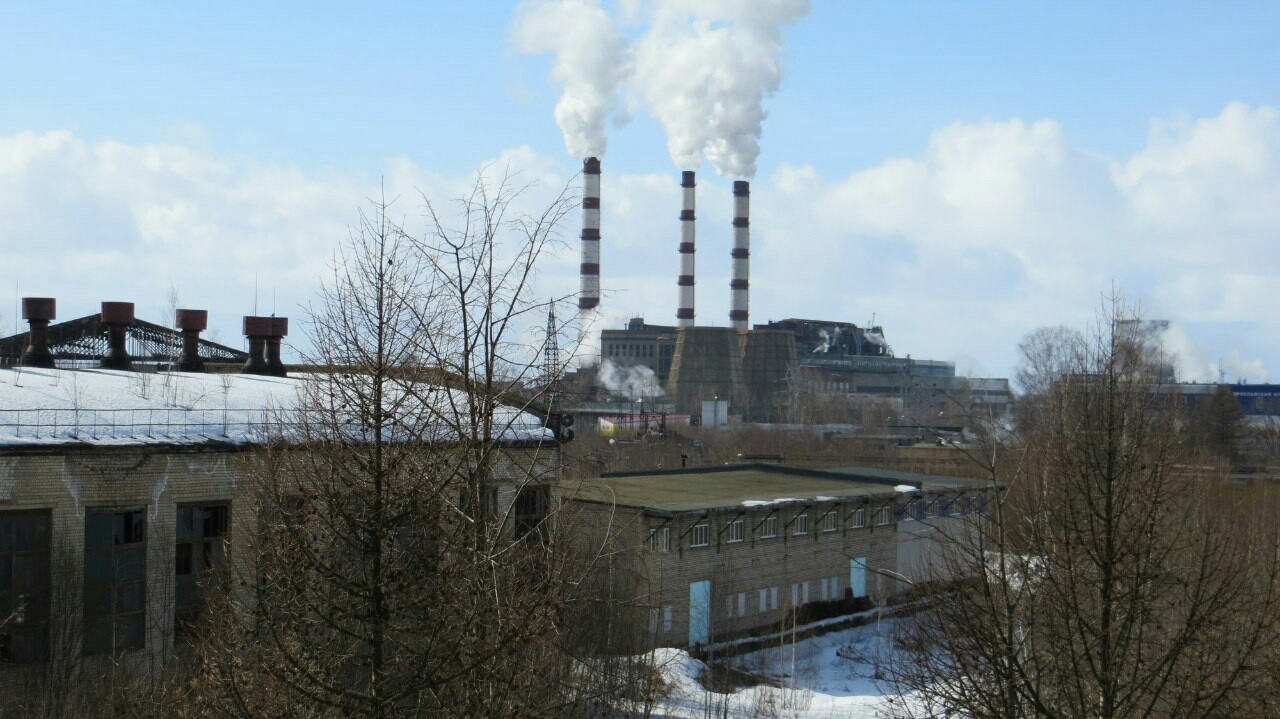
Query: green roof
{"type": "Point", "coordinates": [729, 487]}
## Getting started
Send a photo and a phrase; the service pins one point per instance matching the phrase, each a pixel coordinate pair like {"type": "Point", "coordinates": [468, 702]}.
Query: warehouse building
{"type": "Point", "coordinates": [719, 552]}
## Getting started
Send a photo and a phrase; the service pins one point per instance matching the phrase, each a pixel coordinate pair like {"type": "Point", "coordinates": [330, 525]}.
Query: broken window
{"type": "Point", "coordinates": [531, 510]}
{"type": "Point", "coordinates": [24, 586]}
{"type": "Point", "coordinates": [115, 580]}
{"type": "Point", "coordinates": [199, 560]}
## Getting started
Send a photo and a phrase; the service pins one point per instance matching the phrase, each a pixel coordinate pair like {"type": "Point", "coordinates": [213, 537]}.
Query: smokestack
{"type": "Point", "coordinates": [37, 311]}
{"type": "Point", "coordinates": [684, 311]}
{"type": "Point", "coordinates": [257, 329]}
{"type": "Point", "coordinates": [191, 322]}
{"type": "Point", "coordinates": [741, 253]}
{"type": "Point", "coordinates": [589, 297]}
{"type": "Point", "coordinates": [279, 328]}
{"type": "Point", "coordinates": [117, 316]}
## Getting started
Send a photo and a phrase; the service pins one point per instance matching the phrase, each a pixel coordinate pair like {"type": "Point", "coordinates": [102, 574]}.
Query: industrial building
{"type": "Point", "coordinates": [764, 372]}
{"type": "Point", "coordinates": [770, 372]}
{"type": "Point", "coordinates": [124, 492]}
{"type": "Point", "coordinates": [714, 553]}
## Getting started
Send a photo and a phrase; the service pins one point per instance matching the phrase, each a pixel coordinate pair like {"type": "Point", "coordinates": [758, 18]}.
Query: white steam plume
{"type": "Point", "coordinates": [633, 381]}
{"type": "Point", "coordinates": [592, 61]}
{"type": "Point", "coordinates": [704, 68]}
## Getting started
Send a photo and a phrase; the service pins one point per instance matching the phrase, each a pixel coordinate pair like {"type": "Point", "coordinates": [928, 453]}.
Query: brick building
{"type": "Point", "coordinates": [718, 552]}
{"type": "Point", "coordinates": [123, 493]}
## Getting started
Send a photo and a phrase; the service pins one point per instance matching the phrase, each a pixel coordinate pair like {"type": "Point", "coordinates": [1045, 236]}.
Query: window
{"type": "Point", "coordinates": [801, 524]}
{"type": "Point", "coordinates": [742, 604]}
{"type": "Point", "coordinates": [530, 510]}
{"type": "Point", "coordinates": [701, 536]}
{"type": "Point", "coordinates": [773, 597]}
{"type": "Point", "coordinates": [666, 618]}
{"type": "Point", "coordinates": [825, 582]}
{"type": "Point", "coordinates": [860, 517]}
{"type": "Point", "coordinates": [769, 527]}
{"type": "Point", "coordinates": [24, 586]}
{"type": "Point", "coordinates": [764, 600]}
{"type": "Point", "coordinates": [830, 521]}
{"type": "Point", "coordinates": [835, 587]}
{"type": "Point", "coordinates": [882, 516]}
{"type": "Point", "coordinates": [115, 580]}
{"type": "Point", "coordinates": [804, 592]}
{"type": "Point", "coordinates": [660, 540]}
{"type": "Point", "coordinates": [653, 620]}
{"type": "Point", "coordinates": [795, 595]}
{"type": "Point", "coordinates": [736, 531]}
{"type": "Point", "coordinates": [199, 560]}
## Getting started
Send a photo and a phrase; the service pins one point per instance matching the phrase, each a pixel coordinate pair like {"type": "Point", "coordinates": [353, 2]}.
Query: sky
{"type": "Point", "coordinates": [962, 173]}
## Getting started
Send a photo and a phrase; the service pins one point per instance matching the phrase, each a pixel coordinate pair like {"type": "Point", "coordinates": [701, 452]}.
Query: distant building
{"type": "Point", "coordinates": [719, 552]}
{"type": "Point", "coordinates": [652, 346]}
{"type": "Point", "coordinates": [765, 372]}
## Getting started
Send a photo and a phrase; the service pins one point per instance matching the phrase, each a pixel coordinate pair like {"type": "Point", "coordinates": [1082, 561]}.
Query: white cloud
{"type": "Point", "coordinates": [992, 229]}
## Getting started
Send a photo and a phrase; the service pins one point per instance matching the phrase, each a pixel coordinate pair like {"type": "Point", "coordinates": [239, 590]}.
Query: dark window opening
{"type": "Point", "coordinates": [531, 510]}
{"type": "Point", "coordinates": [24, 586]}
{"type": "Point", "coordinates": [115, 580]}
{"type": "Point", "coordinates": [199, 562]}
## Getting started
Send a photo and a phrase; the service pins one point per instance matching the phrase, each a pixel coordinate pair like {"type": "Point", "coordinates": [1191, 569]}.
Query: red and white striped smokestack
{"type": "Point", "coordinates": [589, 296]}
{"type": "Point", "coordinates": [741, 254]}
{"type": "Point", "coordinates": [684, 311]}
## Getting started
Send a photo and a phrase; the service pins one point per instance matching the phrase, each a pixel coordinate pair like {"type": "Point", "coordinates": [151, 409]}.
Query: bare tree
{"type": "Point", "coordinates": [407, 559]}
{"type": "Point", "coordinates": [1111, 579]}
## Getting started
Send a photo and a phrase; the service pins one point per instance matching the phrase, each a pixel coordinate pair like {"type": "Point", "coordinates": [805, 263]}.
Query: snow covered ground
{"type": "Point", "coordinates": [818, 678]}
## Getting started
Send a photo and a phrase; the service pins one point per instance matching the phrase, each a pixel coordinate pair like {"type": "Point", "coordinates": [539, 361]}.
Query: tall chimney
{"type": "Point", "coordinates": [589, 297]}
{"type": "Point", "coordinates": [257, 329]}
{"type": "Point", "coordinates": [191, 322]}
{"type": "Point", "coordinates": [741, 253]}
{"type": "Point", "coordinates": [279, 328]}
{"type": "Point", "coordinates": [37, 311]}
{"type": "Point", "coordinates": [684, 311]}
{"type": "Point", "coordinates": [117, 316]}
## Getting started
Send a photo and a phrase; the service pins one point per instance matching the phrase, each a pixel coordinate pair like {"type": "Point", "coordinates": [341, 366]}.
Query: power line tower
{"type": "Point", "coordinates": [551, 357]}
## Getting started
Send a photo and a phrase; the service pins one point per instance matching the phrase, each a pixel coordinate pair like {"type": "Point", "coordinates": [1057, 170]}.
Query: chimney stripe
{"type": "Point", "coordinates": [685, 280]}
{"type": "Point", "coordinates": [589, 292]}
{"type": "Point", "coordinates": [740, 254]}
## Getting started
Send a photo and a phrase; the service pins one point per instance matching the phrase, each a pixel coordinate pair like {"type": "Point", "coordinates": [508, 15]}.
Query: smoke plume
{"type": "Point", "coordinates": [633, 381]}
{"type": "Point", "coordinates": [592, 59]}
{"type": "Point", "coordinates": [704, 68]}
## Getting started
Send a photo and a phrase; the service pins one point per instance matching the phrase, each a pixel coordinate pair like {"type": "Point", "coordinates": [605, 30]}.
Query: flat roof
{"type": "Point", "coordinates": [737, 487]}
{"type": "Point", "coordinates": [927, 481]}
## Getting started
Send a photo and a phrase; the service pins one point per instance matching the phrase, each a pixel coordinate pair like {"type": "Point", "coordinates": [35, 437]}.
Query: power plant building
{"type": "Point", "coordinates": [765, 371]}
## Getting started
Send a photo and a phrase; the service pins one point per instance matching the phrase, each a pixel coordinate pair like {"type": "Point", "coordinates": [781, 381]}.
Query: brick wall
{"type": "Point", "coordinates": [744, 567]}
{"type": "Point", "coordinates": [68, 482]}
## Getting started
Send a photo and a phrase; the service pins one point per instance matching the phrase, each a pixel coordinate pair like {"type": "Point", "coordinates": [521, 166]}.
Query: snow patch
{"type": "Point", "coordinates": [766, 502]}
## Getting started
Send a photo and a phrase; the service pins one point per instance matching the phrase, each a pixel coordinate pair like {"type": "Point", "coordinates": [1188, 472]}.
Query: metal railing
{"type": "Point", "coordinates": [170, 424]}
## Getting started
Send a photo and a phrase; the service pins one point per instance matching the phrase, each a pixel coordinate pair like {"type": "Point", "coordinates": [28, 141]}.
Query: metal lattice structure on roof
{"type": "Point", "coordinates": [85, 339]}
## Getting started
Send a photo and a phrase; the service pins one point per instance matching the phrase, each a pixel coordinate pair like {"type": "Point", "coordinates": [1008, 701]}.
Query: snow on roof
{"type": "Point", "coordinates": [106, 407]}
{"type": "Point", "coordinates": [766, 502]}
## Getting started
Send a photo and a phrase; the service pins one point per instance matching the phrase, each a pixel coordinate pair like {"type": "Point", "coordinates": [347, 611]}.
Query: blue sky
{"type": "Point", "coordinates": [332, 96]}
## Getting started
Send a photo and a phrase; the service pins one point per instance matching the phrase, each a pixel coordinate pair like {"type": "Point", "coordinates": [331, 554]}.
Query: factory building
{"type": "Point", "coordinates": [720, 552]}
{"type": "Point", "coordinates": [767, 370]}
{"type": "Point", "coordinates": [125, 493]}
{"type": "Point", "coordinates": [772, 372]}
{"type": "Point", "coordinates": [647, 345]}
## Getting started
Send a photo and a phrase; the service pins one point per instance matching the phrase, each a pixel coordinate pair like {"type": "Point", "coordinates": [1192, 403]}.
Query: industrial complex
{"type": "Point", "coordinates": [765, 373]}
